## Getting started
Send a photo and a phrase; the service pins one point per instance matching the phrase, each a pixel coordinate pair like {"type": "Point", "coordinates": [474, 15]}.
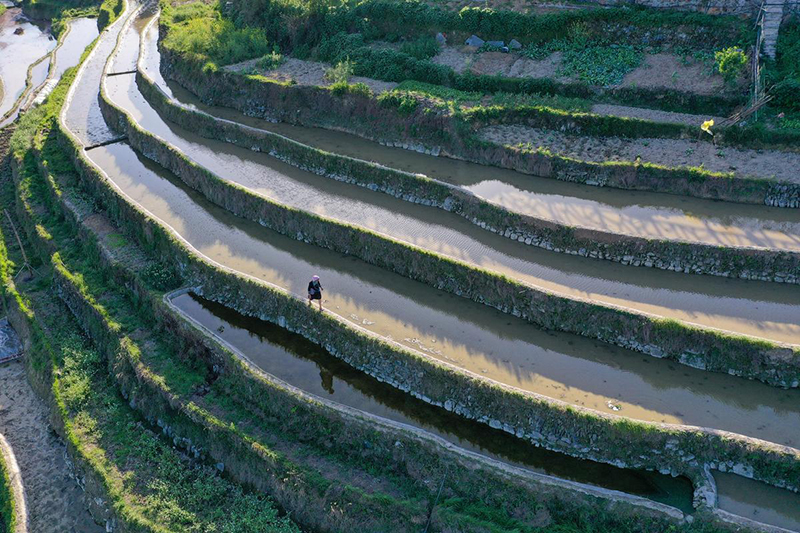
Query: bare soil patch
{"type": "Point", "coordinates": [305, 72]}
{"type": "Point", "coordinates": [666, 71]}
{"type": "Point", "coordinates": [667, 152]}
{"type": "Point", "coordinates": [55, 502]}
{"type": "Point", "coordinates": [466, 58]}
{"type": "Point", "coordinates": [653, 114]}
{"type": "Point", "coordinates": [520, 6]}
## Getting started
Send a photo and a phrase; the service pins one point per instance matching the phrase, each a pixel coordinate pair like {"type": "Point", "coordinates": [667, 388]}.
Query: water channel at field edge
{"type": "Point", "coordinates": [567, 367]}
{"type": "Point", "coordinates": [250, 246]}
{"type": "Point", "coordinates": [766, 310]}
{"type": "Point", "coordinates": [758, 501]}
{"type": "Point", "coordinates": [308, 367]}
{"type": "Point", "coordinates": [637, 213]}
{"type": "Point", "coordinates": [561, 366]}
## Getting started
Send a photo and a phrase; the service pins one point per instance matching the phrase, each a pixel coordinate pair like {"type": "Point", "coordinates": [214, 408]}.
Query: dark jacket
{"type": "Point", "coordinates": [314, 290]}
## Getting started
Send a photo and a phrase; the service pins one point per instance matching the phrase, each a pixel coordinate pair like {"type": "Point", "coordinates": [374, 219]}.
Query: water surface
{"type": "Point", "coordinates": [307, 366]}
{"type": "Point", "coordinates": [758, 501]}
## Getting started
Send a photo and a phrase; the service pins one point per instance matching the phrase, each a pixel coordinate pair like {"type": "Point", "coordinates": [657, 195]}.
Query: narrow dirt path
{"type": "Point", "coordinates": [55, 502]}
{"type": "Point", "coordinates": [653, 114]}
{"type": "Point", "coordinates": [668, 152]}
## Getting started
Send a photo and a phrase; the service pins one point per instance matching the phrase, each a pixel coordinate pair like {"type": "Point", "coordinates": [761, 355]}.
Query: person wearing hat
{"type": "Point", "coordinates": [315, 291]}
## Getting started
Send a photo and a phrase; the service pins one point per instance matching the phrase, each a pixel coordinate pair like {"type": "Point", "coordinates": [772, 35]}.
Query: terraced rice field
{"type": "Point", "coordinates": [199, 242]}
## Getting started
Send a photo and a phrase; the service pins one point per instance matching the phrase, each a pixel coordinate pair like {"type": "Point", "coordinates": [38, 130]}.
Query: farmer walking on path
{"type": "Point", "coordinates": [315, 291]}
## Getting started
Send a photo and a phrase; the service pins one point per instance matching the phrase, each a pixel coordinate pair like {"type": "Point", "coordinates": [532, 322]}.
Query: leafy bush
{"type": "Point", "coordinates": [730, 63]}
{"type": "Point", "coordinates": [421, 48]}
{"type": "Point", "coordinates": [198, 28]}
{"type": "Point", "coordinates": [271, 61]}
{"type": "Point", "coordinates": [600, 65]}
{"type": "Point", "coordinates": [340, 73]}
{"type": "Point", "coordinates": [109, 11]}
{"type": "Point", "coordinates": [403, 102]}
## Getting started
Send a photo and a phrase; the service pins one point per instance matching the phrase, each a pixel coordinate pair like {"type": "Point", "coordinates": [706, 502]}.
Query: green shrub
{"type": "Point", "coordinates": [421, 48]}
{"type": "Point", "coordinates": [730, 63]}
{"type": "Point", "coordinates": [271, 61]}
{"type": "Point", "coordinates": [340, 73]}
{"type": "Point", "coordinates": [403, 102]}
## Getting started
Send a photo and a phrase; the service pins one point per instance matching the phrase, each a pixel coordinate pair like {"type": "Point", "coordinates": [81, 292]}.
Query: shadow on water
{"type": "Point", "coordinates": [309, 367]}
{"type": "Point", "coordinates": [758, 501]}
{"type": "Point", "coordinates": [568, 367]}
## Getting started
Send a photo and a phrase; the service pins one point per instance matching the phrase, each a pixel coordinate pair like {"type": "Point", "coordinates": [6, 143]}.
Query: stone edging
{"type": "Point", "coordinates": [254, 377]}
{"type": "Point", "coordinates": [773, 363]}
{"type": "Point", "coordinates": [677, 256]}
{"type": "Point", "coordinates": [453, 136]}
{"type": "Point", "coordinates": [17, 490]}
{"type": "Point", "coordinates": [568, 429]}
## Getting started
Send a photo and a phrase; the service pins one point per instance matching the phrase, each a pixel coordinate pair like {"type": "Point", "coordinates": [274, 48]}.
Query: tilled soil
{"type": "Point", "coordinates": [665, 71]}
{"type": "Point", "coordinates": [465, 58]}
{"type": "Point", "coordinates": [667, 152]}
{"type": "Point", "coordinates": [55, 502]}
{"type": "Point", "coordinates": [308, 73]}
{"type": "Point", "coordinates": [653, 114]}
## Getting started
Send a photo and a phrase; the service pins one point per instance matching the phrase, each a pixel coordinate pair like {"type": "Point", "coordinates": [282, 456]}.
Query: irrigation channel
{"type": "Point", "coordinates": [766, 310]}
{"type": "Point", "coordinates": [503, 348]}
{"type": "Point", "coordinates": [32, 62]}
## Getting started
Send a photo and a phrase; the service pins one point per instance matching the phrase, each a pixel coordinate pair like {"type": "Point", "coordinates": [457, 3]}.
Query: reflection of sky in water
{"type": "Point", "coordinates": [650, 222]}
{"type": "Point", "coordinates": [472, 336]}
{"type": "Point", "coordinates": [453, 236]}
{"type": "Point", "coordinates": [481, 340]}
{"type": "Point", "coordinates": [17, 53]}
{"type": "Point", "coordinates": [758, 501]}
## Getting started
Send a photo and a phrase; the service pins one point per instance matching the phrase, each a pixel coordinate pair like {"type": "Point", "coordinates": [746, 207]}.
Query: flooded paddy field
{"type": "Point", "coordinates": [479, 339]}
{"type": "Point", "coordinates": [22, 43]}
{"type": "Point", "coordinates": [310, 368]}
{"type": "Point", "coordinates": [709, 301]}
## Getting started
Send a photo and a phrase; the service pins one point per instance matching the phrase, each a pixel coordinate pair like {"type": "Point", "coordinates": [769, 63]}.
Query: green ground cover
{"type": "Point", "coordinates": [7, 518]}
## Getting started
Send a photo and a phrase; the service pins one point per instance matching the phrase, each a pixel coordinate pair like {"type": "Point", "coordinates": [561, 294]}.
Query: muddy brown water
{"type": "Point", "coordinates": [480, 339]}
{"type": "Point", "coordinates": [307, 366]}
{"type": "Point", "coordinates": [636, 213]}
{"type": "Point", "coordinates": [442, 324]}
{"type": "Point", "coordinates": [758, 501]}
{"type": "Point", "coordinates": [766, 310]}
{"type": "Point", "coordinates": [566, 367]}
{"type": "Point", "coordinates": [18, 52]}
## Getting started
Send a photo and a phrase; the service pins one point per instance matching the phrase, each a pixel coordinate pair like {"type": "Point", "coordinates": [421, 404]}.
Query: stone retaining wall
{"type": "Point", "coordinates": [198, 433]}
{"type": "Point", "coordinates": [766, 265]}
{"type": "Point", "coordinates": [689, 345]}
{"type": "Point", "coordinates": [546, 422]}
{"type": "Point", "coordinates": [439, 132]}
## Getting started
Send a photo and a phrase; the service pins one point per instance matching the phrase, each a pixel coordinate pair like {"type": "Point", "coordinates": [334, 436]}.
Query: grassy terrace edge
{"type": "Point", "coordinates": [440, 384]}
{"type": "Point", "coordinates": [9, 509]}
{"type": "Point", "coordinates": [453, 134]}
{"type": "Point", "coordinates": [765, 265]}
{"type": "Point", "coordinates": [703, 348]}
{"type": "Point", "coordinates": [243, 457]}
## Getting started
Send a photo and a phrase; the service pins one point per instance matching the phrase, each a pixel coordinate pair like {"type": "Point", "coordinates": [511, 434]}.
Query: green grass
{"type": "Point", "coordinates": [148, 481]}
{"type": "Point", "coordinates": [7, 518]}
{"type": "Point", "coordinates": [199, 29]}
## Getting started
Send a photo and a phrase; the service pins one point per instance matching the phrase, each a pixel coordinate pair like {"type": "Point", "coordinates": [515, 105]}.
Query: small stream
{"type": "Point", "coordinates": [307, 366]}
